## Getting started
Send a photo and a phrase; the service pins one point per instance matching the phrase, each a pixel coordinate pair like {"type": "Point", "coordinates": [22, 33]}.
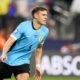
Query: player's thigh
{"type": "Point", "coordinates": [22, 76]}
{"type": "Point", "coordinates": [4, 71]}
{"type": "Point", "coordinates": [22, 72]}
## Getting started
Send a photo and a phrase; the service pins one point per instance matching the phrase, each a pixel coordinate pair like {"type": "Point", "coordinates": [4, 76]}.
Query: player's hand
{"type": "Point", "coordinates": [38, 74]}
{"type": "Point", "coordinates": [3, 58]}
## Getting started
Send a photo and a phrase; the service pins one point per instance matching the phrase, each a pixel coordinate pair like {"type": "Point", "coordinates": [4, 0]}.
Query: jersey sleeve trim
{"type": "Point", "coordinates": [13, 36]}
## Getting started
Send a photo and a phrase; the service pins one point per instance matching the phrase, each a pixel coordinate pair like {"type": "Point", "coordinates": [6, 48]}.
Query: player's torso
{"type": "Point", "coordinates": [30, 39]}
{"type": "Point", "coordinates": [21, 51]}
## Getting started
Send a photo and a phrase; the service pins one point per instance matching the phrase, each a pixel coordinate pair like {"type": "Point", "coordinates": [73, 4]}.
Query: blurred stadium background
{"type": "Point", "coordinates": [61, 55]}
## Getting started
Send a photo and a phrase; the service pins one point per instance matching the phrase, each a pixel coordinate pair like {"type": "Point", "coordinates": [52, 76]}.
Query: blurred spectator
{"type": "Point", "coordinates": [76, 22]}
{"type": "Point", "coordinates": [75, 6]}
{"type": "Point", "coordinates": [4, 6]}
{"type": "Point", "coordinates": [50, 4]}
{"type": "Point", "coordinates": [12, 9]}
{"type": "Point", "coordinates": [31, 3]}
{"type": "Point", "coordinates": [22, 8]}
{"type": "Point", "coordinates": [70, 48]}
{"type": "Point", "coordinates": [75, 11]}
{"type": "Point", "coordinates": [41, 2]}
{"type": "Point", "coordinates": [2, 37]}
{"type": "Point", "coordinates": [68, 2]}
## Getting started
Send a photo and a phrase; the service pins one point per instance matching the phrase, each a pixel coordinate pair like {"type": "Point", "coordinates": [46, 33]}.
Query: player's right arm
{"type": "Point", "coordinates": [13, 37]}
{"type": "Point", "coordinates": [6, 48]}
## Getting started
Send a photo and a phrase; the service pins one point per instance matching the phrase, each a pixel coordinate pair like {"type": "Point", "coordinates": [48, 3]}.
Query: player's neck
{"type": "Point", "coordinates": [36, 24]}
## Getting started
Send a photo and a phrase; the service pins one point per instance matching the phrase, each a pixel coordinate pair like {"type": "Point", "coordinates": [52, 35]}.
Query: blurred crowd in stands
{"type": "Point", "coordinates": [64, 16]}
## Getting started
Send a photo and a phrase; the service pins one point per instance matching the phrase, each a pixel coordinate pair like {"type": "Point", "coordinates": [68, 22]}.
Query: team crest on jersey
{"type": "Point", "coordinates": [40, 37]}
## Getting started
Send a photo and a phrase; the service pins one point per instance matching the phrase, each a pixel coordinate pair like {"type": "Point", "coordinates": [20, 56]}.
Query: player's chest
{"type": "Point", "coordinates": [34, 36]}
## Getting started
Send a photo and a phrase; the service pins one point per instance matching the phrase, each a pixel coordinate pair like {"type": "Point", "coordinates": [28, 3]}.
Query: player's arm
{"type": "Point", "coordinates": [38, 55]}
{"type": "Point", "coordinates": [16, 34]}
{"type": "Point", "coordinates": [6, 48]}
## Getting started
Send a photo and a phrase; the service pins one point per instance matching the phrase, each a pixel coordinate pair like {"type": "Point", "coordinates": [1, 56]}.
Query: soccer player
{"type": "Point", "coordinates": [28, 37]}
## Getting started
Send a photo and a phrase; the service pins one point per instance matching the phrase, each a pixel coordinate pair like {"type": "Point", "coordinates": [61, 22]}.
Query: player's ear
{"type": "Point", "coordinates": [35, 15]}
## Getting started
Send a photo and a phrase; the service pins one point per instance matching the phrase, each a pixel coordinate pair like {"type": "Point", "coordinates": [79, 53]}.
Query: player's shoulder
{"type": "Point", "coordinates": [26, 22]}
{"type": "Point", "coordinates": [45, 29]}
{"type": "Point", "coordinates": [23, 25]}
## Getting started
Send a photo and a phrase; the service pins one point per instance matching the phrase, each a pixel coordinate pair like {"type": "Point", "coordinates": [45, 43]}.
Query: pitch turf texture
{"type": "Point", "coordinates": [54, 78]}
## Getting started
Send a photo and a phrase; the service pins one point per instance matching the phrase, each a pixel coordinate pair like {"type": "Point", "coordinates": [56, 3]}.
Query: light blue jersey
{"type": "Point", "coordinates": [27, 40]}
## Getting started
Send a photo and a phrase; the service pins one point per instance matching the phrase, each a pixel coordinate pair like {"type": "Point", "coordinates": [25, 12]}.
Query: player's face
{"type": "Point", "coordinates": [42, 17]}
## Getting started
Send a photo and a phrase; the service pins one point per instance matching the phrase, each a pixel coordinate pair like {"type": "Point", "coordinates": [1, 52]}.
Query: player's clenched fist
{"type": "Point", "coordinates": [3, 58]}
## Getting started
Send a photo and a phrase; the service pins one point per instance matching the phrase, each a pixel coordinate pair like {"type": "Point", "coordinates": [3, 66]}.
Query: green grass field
{"type": "Point", "coordinates": [54, 78]}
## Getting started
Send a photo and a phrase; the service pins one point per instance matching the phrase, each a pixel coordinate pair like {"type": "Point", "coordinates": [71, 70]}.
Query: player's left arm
{"type": "Point", "coordinates": [38, 55]}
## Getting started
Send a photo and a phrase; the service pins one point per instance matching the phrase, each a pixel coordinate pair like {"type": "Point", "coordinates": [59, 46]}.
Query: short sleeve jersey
{"type": "Point", "coordinates": [27, 40]}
